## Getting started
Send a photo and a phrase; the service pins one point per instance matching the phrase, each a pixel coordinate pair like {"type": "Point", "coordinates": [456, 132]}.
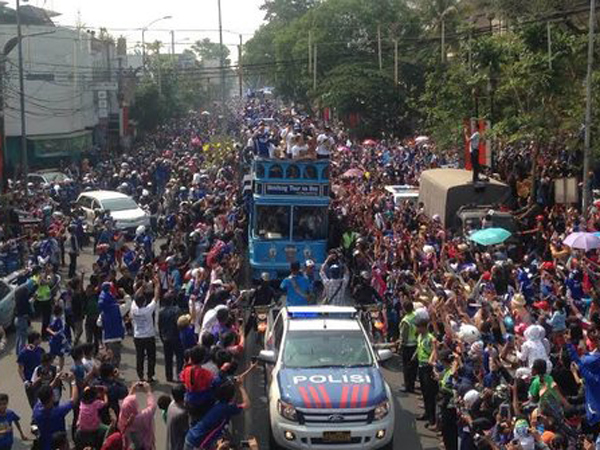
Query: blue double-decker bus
{"type": "Point", "coordinates": [288, 214]}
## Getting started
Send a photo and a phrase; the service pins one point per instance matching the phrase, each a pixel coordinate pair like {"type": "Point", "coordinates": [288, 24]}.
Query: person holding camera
{"type": "Point", "coordinates": [335, 279]}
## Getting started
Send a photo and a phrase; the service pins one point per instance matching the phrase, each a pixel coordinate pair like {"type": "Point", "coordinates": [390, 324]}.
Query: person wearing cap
{"type": "Point", "coordinates": [335, 283]}
{"type": "Point", "coordinates": [447, 406]}
{"type": "Point", "coordinates": [408, 346]}
{"type": "Point", "coordinates": [429, 385]}
{"type": "Point", "coordinates": [297, 287]}
{"type": "Point", "coordinates": [111, 318]}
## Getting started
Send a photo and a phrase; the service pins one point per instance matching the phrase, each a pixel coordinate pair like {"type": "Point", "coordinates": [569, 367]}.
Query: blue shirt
{"type": "Point", "coordinates": [30, 358]}
{"type": "Point", "coordinates": [50, 421]}
{"type": "Point", "coordinates": [302, 284]}
{"type": "Point", "coordinates": [208, 429]}
{"type": "Point", "coordinates": [6, 430]}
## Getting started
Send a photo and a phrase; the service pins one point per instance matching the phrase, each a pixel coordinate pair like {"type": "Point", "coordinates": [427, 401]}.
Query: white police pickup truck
{"type": "Point", "coordinates": [325, 387]}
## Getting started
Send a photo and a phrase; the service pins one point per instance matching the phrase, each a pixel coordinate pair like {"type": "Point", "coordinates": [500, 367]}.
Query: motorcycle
{"type": "Point", "coordinates": [373, 318]}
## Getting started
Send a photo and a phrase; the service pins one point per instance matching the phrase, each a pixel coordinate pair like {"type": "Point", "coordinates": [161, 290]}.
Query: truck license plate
{"type": "Point", "coordinates": [337, 436]}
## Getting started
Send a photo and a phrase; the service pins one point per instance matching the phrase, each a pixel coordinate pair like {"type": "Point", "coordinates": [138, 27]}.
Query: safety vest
{"type": "Point", "coordinates": [409, 321]}
{"type": "Point", "coordinates": [424, 348]}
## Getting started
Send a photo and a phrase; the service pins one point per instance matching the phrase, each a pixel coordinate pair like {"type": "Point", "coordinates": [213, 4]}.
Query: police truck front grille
{"type": "Point", "coordinates": [308, 417]}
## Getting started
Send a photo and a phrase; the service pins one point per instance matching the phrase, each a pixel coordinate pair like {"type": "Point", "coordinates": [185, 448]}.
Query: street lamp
{"type": "Point", "coordinates": [144, 29]}
{"type": "Point", "coordinates": [222, 56]}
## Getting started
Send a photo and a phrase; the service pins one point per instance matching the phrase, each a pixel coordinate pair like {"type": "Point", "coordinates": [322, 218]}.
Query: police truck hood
{"type": "Point", "coordinates": [332, 387]}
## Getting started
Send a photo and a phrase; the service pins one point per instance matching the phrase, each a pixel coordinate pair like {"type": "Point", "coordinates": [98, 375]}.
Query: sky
{"type": "Point", "coordinates": [123, 17]}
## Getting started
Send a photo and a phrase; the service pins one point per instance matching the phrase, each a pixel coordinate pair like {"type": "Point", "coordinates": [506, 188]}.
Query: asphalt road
{"type": "Point", "coordinates": [409, 434]}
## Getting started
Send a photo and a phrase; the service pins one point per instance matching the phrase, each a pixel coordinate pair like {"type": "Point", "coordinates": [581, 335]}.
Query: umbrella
{"type": "Point", "coordinates": [369, 142]}
{"type": "Point", "coordinates": [490, 236]}
{"type": "Point", "coordinates": [582, 241]}
{"type": "Point", "coordinates": [420, 139]}
{"type": "Point", "coordinates": [353, 173]}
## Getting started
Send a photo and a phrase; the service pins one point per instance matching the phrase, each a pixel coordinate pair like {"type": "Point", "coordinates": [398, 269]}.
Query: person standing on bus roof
{"type": "Point", "coordinates": [297, 287]}
{"type": "Point", "coordinates": [474, 151]}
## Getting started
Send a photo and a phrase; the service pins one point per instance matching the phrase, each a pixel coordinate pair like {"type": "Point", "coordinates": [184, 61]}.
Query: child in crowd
{"type": "Point", "coordinates": [90, 428]}
{"type": "Point", "coordinates": [187, 336]}
{"type": "Point", "coordinates": [7, 418]}
{"type": "Point", "coordinates": [58, 339]}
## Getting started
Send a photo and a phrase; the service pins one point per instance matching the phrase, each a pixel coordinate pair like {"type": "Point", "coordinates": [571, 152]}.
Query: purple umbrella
{"type": "Point", "coordinates": [582, 241]}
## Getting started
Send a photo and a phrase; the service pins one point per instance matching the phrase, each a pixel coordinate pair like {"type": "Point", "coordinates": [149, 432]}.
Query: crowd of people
{"type": "Point", "coordinates": [503, 341]}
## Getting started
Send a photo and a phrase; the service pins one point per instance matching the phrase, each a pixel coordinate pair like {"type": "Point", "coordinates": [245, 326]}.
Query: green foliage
{"type": "Point", "coordinates": [211, 51]}
{"type": "Point", "coordinates": [165, 92]}
{"type": "Point", "coordinates": [507, 77]}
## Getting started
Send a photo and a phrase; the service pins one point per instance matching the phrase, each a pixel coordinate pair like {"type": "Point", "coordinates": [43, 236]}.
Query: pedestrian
{"type": "Point", "coordinates": [408, 346]}
{"type": "Point", "coordinates": [138, 426]}
{"type": "Point", "coordinates": [335, 282]}
{"type": "Point", "coordinates": [23, 313]}
{"type": "Point", "coordinates": [473, 141]}
{"type": "Point", "coordinates": [297, 287]}
{"type": "Point", "coordinates": [206, 432]}
{"type": "Point", "coordinates": [93, 333]}
{"type": "Point", "coordinates": [8, 418]}
{"type": "Point", "coordinates": [429, 385]}
{"type": "Point", "coordinates": [177, 419]}
{"type": "Point", "coordinates": [168, 316]}
{"type": "Point", "coordinates": [58, 339]}
{"type": "Point", "coordinates": [112, 313]}
{"type": "Point", "coordinates": [90, 430]}
{"type": "Point", "coordinates": [74, 248]}
{"type": "Point", "coordinates": [43, 301]}
{"type": "Point", "coordinates": [144, 331]}
{"type": "Point", "coordinates": [49, 417]}
{"type": "Point", "coordinates": [30, 357]}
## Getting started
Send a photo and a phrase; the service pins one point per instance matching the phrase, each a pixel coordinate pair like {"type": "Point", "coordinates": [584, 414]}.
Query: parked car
{"type": "Point", "coordinates": [48, 176]}
{"type": "Point", "coordinates": [124, 211]}
{"type": "Point", "coordinates": [7, 301]}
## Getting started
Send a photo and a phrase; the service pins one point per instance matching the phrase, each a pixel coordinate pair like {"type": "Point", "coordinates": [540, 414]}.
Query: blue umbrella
{"type": "Point", "coordinates": [490, 236]}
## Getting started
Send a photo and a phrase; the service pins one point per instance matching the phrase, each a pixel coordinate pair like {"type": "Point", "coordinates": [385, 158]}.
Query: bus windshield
{"type": "Point", "coordinates": [272, 222]}
{"type": "Point", "coordinates": [310, 223]}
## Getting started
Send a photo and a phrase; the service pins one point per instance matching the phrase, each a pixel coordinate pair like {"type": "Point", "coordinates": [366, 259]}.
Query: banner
{"type": "Point", "coordinates": [485, 144]}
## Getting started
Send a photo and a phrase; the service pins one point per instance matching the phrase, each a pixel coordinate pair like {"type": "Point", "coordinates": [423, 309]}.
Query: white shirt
{"type": "Point", "coordinates": [324, 144]}
{"type": "Point", "coordinates": [299, 151]}
{"type": "Point", "coordinates": [143, 320]}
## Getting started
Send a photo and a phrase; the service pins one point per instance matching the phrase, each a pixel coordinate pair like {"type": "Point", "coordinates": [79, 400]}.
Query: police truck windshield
{"type": "Point", "coordinates": [315, 349]}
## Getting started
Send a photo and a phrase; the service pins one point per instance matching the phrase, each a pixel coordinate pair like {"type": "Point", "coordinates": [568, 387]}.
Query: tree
{"type": "Point", "coordinates": [286, 10]}
{"type": "Point", "coordinates": [211, 51]}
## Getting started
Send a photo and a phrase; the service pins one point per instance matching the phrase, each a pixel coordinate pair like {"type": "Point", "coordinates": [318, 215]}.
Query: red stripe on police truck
{"type": "Point", "coordinates": [365, 396]}
{"type": "Point", "coordinates": [304, 395]}
{"type": "Point", "coordinates": [315, 396]}
{"type": "Point", "coordinates": [325, 396]}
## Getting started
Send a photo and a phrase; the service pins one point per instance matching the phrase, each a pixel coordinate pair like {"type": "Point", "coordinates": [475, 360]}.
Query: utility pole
{"type": "Point", "coordinates": [588, 110]}
{"type": "Point", "coordinates": [310, 52]}
{"type": "Point", "coordinates": [310, 57]}
{"type": "Point", "coordinates": [379, 47]}
{"type": "Point", "coordinates": [396, 71]}
{"type": "Point", "coordinates": [315, 68]}
{"type": "Point", "coordinates": [173, 46]}
{"type": "Point", "coordinates": [222, 55]}
{"type": "Point", "coordinates": [443, 41]}
{"type": "Point", "coordinates": [159, 69]}
{"type": "Point", "coordinates": [24, 156]}
{"type": "Point", "coordinates": [549, 34]}
{"type": "Point", "coordinates": [144, 50]}
{"type": "Point", "coordinates": [241, 66]}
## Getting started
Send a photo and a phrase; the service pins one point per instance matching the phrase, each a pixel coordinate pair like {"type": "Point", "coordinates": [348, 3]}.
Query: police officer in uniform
{"type": "Point", "coordinates": [429, 385]}
{"type": "Point", "coordinates": [448, 415]}
{"type": "Point", "coordinates": [408, 346]}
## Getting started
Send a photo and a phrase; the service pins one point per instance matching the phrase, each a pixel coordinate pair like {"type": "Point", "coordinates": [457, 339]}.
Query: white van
{"type": "Point", "coordinates": [125, 212]}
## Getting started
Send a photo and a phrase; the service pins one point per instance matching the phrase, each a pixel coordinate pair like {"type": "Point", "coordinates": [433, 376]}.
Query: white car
{"type": "Point", "coordinates": [48, 176]}
{"type": "Point", "coordinates": [125, 212]}
{"type": "Point", "coordinates": [7, 300]}
{"type": "Point", "coordinates": [325, 386]}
